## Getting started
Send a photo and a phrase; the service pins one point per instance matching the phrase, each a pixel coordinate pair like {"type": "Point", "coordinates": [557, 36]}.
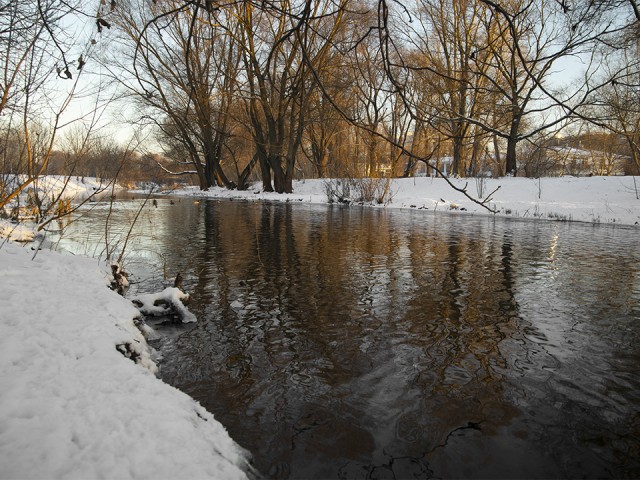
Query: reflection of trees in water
{"type": "Point", "coordinates": [317, 331]}
{"type": "Point", "coordinates": [312, 319]}
{"type": "Point", "coordinates": [454, 325]}
{"type": "Point", "coordinates": [362, 346]}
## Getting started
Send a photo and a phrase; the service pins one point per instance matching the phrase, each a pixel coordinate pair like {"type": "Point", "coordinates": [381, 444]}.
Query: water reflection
{"type": "Point", "coordinates": [357, 343]}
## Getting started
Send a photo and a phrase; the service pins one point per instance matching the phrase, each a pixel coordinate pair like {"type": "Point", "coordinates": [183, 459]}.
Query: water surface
{"type": "Point", "coordinates": [339, 342]}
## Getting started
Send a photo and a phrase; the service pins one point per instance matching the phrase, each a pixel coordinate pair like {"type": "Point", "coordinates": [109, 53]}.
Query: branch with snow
{"type": "Point", "coordinates": [171, 301]}
{"type": "Point", "coordinates": [186, 172]}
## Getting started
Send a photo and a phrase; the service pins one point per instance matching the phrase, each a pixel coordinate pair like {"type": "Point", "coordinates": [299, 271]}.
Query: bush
{"type": "Point", "coordinates": [358, 190]}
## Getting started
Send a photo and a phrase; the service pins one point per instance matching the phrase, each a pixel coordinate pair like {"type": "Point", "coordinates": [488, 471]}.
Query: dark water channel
{"type": "Point", "coordinates": [361, 343]}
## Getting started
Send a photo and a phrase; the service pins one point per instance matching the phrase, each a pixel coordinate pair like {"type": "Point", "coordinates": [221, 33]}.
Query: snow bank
{"type": "Point", "coordinates": [71, 404]}
{"type": "Point", "coordinates": [73, 188]}
{"type": "Point", "coordinates": [583, 199]}
{"type": "Point", "coordinates": [18, 232]}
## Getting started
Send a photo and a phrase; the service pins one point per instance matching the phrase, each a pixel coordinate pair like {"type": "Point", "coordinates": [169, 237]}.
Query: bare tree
{"type": "Point", "coordinates": [37, 85]}
{"type": "Point", "coordinates": [278, 80]}
{"type": "Point", "coordinates": [616, 107]}
{"type": "Point", "coordinates": [445, 37]}
{"type": "Point", "coordinates": [181, 67]}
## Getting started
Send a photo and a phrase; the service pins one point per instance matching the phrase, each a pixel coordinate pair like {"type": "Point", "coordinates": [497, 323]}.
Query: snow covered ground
{"type": "Point", "coordinates": [75, 188]}
{"type": "Point", "coordinates": [582, 199]}
{"type": "Point", "coordinates": [50, 189]}
{"type": "Point", "coordinates": [71, 404]}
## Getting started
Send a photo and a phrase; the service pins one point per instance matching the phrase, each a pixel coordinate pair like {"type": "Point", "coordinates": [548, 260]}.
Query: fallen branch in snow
{"type": "Point", "coordinates": [132, 351]}
{"type": "Point", "coordinates": [168, 303]}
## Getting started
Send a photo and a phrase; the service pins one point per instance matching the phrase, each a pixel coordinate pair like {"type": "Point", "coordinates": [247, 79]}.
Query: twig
{"type": "Point", "coordinates": [133, 223]}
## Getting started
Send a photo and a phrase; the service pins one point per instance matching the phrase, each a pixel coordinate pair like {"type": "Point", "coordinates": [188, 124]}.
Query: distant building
{"type": "Point", "coordinates": [443, 164]}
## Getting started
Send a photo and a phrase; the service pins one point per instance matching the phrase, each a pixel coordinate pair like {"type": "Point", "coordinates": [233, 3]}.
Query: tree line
{"type": "Point", "coordinates": [281, 89]}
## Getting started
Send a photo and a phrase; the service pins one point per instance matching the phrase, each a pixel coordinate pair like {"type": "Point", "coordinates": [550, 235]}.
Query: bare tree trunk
{"type": "Point", "coordinates": [279, 177]}
{"type": "Point", "coordinates": [511, 165]}
{"type": "Point", "coordinates": [265, 171]}
{"type": "Point", "coordinates": [408, 168]}
{"type": "Point", "coordinates": [496, 150]}
{"type": "Point", "coordinates": [459, 152]}
{"type": "Point", "coordinates": [244, 176]}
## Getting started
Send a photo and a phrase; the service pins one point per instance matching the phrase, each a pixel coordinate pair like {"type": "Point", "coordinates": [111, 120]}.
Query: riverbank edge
{"type": "Point", "coordinates": [70, 398]}
{"type": "Point", "coordinates": [591, 200]}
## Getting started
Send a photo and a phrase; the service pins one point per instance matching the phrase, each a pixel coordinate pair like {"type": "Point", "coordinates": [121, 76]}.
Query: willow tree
{"type": "Point", "coordinates": [327, 140]}
{"type": "Point", "coordinates": [372, 103]}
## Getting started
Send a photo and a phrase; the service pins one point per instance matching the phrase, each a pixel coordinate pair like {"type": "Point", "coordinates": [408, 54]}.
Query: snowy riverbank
{"type": "Point", "coordinates": [584, 199]}
{"type": "Point", "coordinates": [74, 188]}
{"type": "Point", "coordinates": [50, 190]}
{"type": "Point", "coordinates": [71, 404]}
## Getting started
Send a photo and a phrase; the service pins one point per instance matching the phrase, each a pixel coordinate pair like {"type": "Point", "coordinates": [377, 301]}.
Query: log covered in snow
{"type": "Point", "coordinates": [171, 302]}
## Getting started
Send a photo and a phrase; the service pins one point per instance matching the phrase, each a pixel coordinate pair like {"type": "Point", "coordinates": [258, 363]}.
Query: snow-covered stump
{"type": "Point", "coordinates": [171, 302]}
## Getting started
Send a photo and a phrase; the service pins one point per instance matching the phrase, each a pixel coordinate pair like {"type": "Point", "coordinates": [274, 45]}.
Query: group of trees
{"type": "Point", "coordinates": [284, 88]}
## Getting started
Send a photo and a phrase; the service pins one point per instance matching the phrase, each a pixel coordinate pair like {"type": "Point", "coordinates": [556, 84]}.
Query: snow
{"type": "Point", "coordinates": [17, 232]}
{"type": "Point", "coordinates": [583, 199]}
{"type": "Point", "coordinates": [73, 188]}
{"type": "Point", "coordinates": [170, 300]}
{"type": "Point", "coordinates": [71, 404]}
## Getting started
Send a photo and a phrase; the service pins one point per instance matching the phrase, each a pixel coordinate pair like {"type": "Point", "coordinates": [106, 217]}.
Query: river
{"type": "Point", "coordinates": [349, 342]}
